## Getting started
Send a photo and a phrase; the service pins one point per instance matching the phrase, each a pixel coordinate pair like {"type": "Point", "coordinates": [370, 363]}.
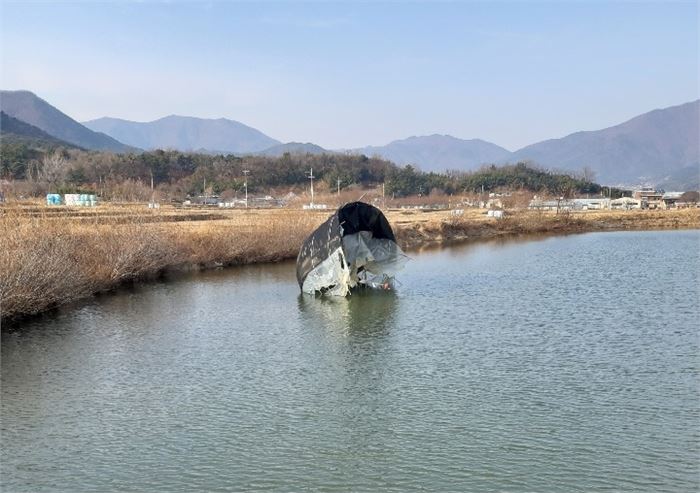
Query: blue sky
{"type": "Point", "coordinates": [351, 74]}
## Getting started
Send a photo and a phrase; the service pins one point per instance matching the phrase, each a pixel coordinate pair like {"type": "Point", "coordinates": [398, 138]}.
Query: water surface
{"type": "Point", "coordinates": [564, 364]}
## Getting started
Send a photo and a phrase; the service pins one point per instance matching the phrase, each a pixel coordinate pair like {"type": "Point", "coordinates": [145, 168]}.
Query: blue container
{"type": "Point", "coordinates": [53, 199]}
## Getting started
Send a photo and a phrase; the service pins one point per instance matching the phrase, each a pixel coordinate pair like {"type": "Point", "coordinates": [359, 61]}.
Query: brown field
{"type": "Point", "coordinates": [52, 256]}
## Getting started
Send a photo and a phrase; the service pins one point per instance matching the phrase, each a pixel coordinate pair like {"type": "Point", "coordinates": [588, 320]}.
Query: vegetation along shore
{"type": "Point", "coordinates": [53, 256]}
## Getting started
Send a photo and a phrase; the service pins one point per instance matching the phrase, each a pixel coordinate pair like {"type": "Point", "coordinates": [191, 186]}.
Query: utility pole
{"type": "Point", "coordinates": [245, 184]}
{"type": "Point", "coordinates": [311, 177]}
{"type": "Point", "coordinates": [383, 196]}
{"type": "Point", "coordinates": [338, 181]}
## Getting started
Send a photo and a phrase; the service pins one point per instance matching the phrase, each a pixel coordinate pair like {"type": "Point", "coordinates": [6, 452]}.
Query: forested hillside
{"type": "Point", "coordinates": [177, 175]}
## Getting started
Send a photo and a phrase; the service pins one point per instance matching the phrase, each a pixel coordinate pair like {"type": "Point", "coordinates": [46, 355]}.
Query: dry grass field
{"type": "Point", "coordinates": [51, 256]}
{"type": "Point", "coordinates": [64, 254]}
{"type": "Point", "coordinates": [417, 228]}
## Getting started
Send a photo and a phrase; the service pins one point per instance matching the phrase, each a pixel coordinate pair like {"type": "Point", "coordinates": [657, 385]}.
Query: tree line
{"type": "Point", "coordinates": [178, 175]}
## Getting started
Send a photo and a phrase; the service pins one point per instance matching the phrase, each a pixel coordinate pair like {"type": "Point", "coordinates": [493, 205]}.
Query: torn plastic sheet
{"type": "Point", "coordinates": [354, 248]}
{"type": "Point", "coordinates": [372, 261]}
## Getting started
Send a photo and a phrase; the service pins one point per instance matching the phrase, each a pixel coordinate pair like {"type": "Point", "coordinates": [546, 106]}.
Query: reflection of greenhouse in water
{"type": "Point", "coordinates": [354, 248]}
{"type": "Point", "coordinates": [365, 315]}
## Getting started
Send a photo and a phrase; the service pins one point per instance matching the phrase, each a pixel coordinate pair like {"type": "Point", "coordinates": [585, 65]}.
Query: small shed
{"type": "Point", "coordinates": [671, 198]}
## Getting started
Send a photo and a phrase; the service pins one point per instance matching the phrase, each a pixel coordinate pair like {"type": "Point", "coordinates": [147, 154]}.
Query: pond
{"type": "Point", "coordinates": [552, 364]}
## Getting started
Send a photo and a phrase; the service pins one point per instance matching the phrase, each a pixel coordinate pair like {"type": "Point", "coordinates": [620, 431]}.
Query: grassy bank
{"type": "Point", "coordinates": [54, 256]}
{"type": "Point", "coordinates": [475, 225]}
{"type": "Point", "coordinates": [52, 259]}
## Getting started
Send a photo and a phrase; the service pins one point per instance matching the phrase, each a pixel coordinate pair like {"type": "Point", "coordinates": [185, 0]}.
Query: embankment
{"type": "Point", "coordinates": [449, 229]}
{"type": "Point", "coordinates": [49, 259]}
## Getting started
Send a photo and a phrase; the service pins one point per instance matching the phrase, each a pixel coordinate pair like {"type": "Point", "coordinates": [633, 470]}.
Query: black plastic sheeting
{"type": "Point", "coordinates": [327, 238]}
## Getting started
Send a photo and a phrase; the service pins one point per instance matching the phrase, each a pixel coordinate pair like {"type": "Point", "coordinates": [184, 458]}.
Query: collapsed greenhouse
{"type": "Point", "coordinates": [355, 248]}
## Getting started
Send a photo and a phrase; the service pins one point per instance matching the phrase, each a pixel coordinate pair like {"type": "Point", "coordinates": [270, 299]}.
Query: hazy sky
{"type": "Point", "coordinates": [351, 74]}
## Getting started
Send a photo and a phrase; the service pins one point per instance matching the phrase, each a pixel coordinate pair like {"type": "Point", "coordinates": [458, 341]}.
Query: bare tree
{"type": "Point", "coordinates": [33, 168]}
{"type": "Point", "coordinates": [53, 169]}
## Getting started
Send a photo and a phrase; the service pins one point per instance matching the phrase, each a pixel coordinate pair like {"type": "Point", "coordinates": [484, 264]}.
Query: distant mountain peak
{"type": "Point", "coordinates": [293, 148]}
{"type": "Point", "coordinates": [439, 152]}
{"type": "Point", "coordinates": [186, 133]}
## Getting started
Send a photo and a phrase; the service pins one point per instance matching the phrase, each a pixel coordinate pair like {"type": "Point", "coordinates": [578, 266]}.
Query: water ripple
{"type": "Point", "coordinates": [568, 364]}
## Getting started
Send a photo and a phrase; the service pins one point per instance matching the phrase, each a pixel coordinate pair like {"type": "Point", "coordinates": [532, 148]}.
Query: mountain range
{"type": "Point", "coordinates": [658, 147]}
{"type": "Point", "coordinates": [645, 148]}
{"type": "Point", "coordinates": [661, 146]}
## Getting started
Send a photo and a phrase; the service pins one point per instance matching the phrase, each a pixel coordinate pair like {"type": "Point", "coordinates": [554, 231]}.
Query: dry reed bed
{"type": "Point", "coordinates": [51, 259]}
{"type": "Point", "coordinates": [46, 261]}
{"type": "Point", "coordinates": [474, 224]}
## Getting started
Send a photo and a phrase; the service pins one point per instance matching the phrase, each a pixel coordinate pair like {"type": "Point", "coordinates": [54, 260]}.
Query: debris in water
{"type": "Point", "coordinates": [354, 248]}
